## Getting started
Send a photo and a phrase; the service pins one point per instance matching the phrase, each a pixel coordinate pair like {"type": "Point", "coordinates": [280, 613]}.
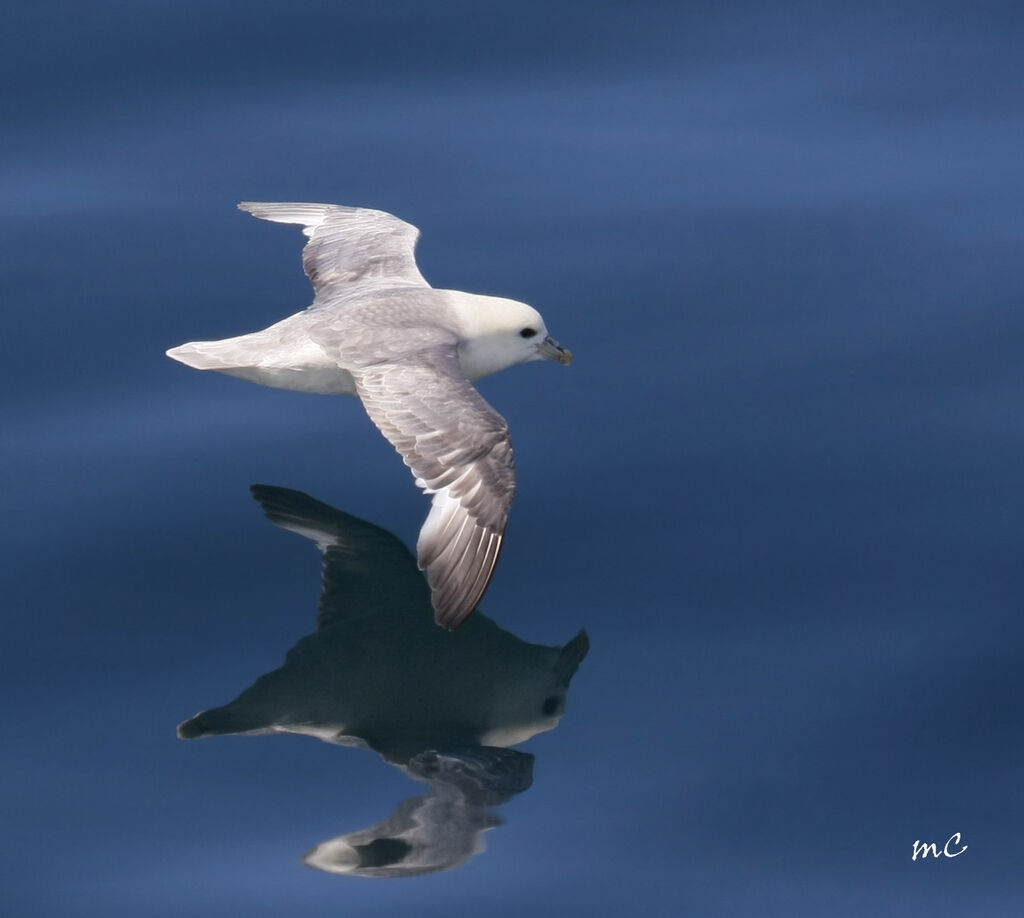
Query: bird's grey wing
{"type": "Point", "coordinates": [459, 450]}
{"type": "Point", "coordinates": [349, 246]}
{"type": "Point", "coordinates": [366, 568]}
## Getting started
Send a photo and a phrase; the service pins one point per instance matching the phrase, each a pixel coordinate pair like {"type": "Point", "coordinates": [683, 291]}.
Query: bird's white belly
{"type": "Point", "coordinates": [307, 368]}
{"type": "Point", "coordinates": [326, 379]}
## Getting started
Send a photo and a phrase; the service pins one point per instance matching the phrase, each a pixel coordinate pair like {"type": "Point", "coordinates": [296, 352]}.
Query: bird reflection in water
{"type": "Point", "coordinates": [379, 674]}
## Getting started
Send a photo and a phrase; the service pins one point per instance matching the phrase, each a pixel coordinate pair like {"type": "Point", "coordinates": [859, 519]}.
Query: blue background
{"type": "Point", "coordinates": [781, 486]}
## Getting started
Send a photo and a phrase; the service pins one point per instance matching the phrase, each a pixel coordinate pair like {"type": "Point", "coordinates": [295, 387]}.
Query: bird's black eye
{"type": "Point", "coordinates": [528, 333]}
{"type": "Point", "coordinates": [550, 706]}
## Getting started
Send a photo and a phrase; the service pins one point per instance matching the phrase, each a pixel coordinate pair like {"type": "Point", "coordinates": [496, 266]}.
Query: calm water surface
{"type": "Point", "coordinates": [780, 487]}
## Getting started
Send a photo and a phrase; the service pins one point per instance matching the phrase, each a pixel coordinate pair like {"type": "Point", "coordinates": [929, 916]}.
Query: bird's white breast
{"type": "Point", "coordinates": [479, 358]}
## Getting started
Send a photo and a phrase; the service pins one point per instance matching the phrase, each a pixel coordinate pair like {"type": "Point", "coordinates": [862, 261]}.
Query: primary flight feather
{"type": "Point", "coordinates": [378, 330]}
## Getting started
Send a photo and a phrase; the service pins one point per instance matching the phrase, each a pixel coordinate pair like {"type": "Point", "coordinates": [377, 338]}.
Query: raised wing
{"type": "Point", "coordinates": [366, 568]}
{"type": "Point", "coordinates": [459, 450]}
{"type": "Point", "coordinates": [348, 245]}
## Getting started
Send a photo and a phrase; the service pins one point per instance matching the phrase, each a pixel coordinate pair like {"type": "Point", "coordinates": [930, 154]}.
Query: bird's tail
{"type": "Point", "coordinates": [209, 355]}
{"type": "Point", "coordinates": [254, 350]}
{"type": "Point", "coordinates": [218, 721]}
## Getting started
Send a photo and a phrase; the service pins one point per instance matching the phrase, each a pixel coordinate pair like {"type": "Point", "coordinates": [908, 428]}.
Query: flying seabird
{"type": "Point", "coordinates": [378, 330]}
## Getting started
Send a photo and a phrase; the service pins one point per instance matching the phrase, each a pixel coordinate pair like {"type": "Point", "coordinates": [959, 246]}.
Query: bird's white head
{"type": "Point", "coordinates": [499, 333]}
{"type": "Point", "coordinates": [534, 688]}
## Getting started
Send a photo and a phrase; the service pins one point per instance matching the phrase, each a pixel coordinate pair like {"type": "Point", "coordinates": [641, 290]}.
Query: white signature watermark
{"type": "Point", "coordinates": [923, 849]}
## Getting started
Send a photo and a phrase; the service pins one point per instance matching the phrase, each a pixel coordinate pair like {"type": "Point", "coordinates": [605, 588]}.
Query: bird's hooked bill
{"type": "Point", "coordinates": [550, 349]}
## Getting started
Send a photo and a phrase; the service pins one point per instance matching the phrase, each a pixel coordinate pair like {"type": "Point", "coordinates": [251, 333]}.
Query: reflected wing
{"type": "Point", "coordinates": [349, 245]}
{"type": "Point", "coordinates": [486, 775]}
{"type": "Point", "coordinates": [366, 568]}
{"type": "Point", "coordinates": [423, 835]}
{"type": "Point", "coordinates": [439, 831]}
{"type": "Point", "coordinates": [458, 448]}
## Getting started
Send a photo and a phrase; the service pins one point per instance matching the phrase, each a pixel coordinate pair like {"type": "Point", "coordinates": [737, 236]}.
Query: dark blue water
{"type": "Point", "coordinates": [781, 486]}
